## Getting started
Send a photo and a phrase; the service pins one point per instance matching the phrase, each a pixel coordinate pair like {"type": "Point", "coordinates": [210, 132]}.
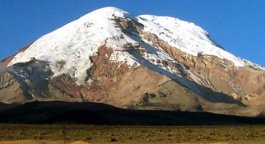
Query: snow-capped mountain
{"type": "Point", "coordinates": [140, 62]}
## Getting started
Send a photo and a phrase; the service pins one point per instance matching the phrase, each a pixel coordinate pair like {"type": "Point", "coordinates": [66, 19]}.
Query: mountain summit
{"type": "Point", "coordinates": [137, 62]}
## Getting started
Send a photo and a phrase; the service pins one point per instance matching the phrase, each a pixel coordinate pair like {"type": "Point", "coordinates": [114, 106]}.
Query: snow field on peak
{"type": "Point", "coordinates": [185, 36]}
{"type": "Point", "coordinates": [73, 44]}
{"type": "Point", "coordinates": [69, 48]}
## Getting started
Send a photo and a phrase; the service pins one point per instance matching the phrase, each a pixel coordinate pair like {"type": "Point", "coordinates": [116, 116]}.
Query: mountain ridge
{"type": "Point", "coordinates": [101, 17]}
{"type": "Point", "coordinates": [145, 62]}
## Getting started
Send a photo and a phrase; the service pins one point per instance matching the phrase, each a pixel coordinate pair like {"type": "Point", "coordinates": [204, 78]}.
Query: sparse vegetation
{"type": "Point", "coordinates": [133, 134]}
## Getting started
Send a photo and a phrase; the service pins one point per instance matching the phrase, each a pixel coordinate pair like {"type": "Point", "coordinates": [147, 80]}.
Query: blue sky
{"type": "Point", "coordinates": [237, 25]}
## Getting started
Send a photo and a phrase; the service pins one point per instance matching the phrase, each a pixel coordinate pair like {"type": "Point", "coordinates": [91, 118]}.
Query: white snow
{"type": "Point", "coordinates": [75, 42]}
{"type": "Point", "coordinates": [156, 56]}
{"type": "Point", "coordinates": [185, 36]}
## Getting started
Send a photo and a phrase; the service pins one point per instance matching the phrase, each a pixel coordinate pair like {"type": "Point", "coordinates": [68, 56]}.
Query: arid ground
{"type": "Point", "coordinates": [79, 134]}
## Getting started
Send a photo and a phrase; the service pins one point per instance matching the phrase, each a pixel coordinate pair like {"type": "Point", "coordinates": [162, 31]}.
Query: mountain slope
{"type": "Point", "coordinates": [145, 62]}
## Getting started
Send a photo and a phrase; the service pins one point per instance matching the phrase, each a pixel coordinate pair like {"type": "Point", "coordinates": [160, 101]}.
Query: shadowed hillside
{"type": "Point", "coordinates": [96, 113]}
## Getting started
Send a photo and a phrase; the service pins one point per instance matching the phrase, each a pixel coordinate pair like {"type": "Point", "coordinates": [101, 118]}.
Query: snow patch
{"type": "Point", "coordinates": [185, 36]}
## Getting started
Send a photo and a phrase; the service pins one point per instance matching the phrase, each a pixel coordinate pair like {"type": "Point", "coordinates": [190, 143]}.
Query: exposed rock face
{"type": "Point", "coordinates": [134, 69]}
{"type": "Point", "coordinates": [242, 83]}
{"type": "Point", "coordinates": [10, 90]}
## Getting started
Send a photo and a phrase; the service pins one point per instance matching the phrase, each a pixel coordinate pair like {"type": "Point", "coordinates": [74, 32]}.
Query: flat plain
{"type": "Point", "coordinates": [103, 134]}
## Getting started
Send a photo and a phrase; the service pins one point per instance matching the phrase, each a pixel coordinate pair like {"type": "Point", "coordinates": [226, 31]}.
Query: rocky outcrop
{"type": "Point", "coordinates": [242, 83]}
{"type": "Point", "coordinates": [10, 89]}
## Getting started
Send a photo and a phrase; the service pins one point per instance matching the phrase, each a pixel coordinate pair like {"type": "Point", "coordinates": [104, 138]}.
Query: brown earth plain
{"type": "Point", "coordinates": [94, 134]}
